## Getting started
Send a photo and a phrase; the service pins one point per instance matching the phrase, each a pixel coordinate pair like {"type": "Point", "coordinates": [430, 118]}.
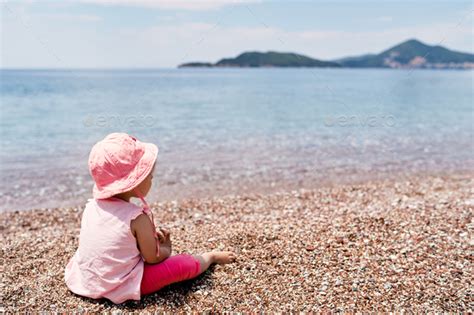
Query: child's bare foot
{"type": "Point", "coordinates": [222, 258]}
{"type": "Point", "coordinates": [209, 258]}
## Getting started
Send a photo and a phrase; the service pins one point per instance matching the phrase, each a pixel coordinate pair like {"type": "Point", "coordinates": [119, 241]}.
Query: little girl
{"type": "Point", "coordinates": [121, 255]}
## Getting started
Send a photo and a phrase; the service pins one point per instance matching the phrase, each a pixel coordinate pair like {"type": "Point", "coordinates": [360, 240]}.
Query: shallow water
{"type": "Point", "coordinates": [230, 130]}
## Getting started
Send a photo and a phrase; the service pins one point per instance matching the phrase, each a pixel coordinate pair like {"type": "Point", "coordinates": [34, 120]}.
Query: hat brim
{"type": "Point", "coordinates": [133, 179]}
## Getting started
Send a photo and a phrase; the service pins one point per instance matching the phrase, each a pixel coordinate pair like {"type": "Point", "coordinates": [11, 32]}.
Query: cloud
{"type": "Point", "coordinates": [88, 17]}
{"type": "Point", "coordinates": [199, 5]}
{"type": "Point", "coordinates": [72, 17]}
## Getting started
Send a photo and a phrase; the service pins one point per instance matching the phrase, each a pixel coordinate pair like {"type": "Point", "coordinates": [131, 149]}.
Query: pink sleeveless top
{"type": "Point", "coordinates": [107, 262]}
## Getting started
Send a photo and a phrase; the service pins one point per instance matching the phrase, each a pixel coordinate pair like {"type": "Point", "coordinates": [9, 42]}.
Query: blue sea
{"type": "Point", "coordinates": [229, 131]}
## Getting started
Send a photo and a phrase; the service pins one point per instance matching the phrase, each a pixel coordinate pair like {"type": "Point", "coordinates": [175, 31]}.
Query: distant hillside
{"type": "Point", "coordinates": [273, 59]}
{"type": "Point", "coordinates": [268, 59]}
{"type": "Point", "coordinates": [409, 54]}
{"type": "Point", "coordinates": [197, 64]}
{"type": "Point", "coordinates": [412, 54]}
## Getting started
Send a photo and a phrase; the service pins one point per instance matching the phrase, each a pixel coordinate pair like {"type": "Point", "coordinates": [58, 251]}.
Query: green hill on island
{"type": "Point", "coordinates": [268, 59]}
{"type": "Point", "coordinates": [409, 54]}
{"type": "Point", "coordinates": [273, 59]}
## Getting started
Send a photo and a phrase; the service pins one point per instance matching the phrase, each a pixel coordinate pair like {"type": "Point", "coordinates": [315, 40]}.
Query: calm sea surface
{"type": "Point", "coordinates": [226, 131]}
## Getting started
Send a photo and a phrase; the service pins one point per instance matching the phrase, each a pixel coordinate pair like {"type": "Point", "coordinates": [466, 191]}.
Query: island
{"type": "Point", "coordinates": [266, 59]}
{"type": "Point", "coordinates": [409, 54]}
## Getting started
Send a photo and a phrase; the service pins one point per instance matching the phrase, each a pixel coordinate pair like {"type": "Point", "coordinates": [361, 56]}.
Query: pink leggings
{"type": "Point", "coordinates": [172, 269]}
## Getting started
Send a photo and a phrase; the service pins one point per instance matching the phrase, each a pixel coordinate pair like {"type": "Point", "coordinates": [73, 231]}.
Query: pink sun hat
{"type": "Point", "coordinates": [119, 163]}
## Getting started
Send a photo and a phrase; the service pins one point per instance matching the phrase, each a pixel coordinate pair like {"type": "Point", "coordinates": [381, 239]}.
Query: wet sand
{"type": "Point", "coordinates": [396, 244]}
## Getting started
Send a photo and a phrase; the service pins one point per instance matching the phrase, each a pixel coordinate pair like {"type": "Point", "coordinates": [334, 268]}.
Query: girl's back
{"type": "Point", "coordinates": [107, 262]}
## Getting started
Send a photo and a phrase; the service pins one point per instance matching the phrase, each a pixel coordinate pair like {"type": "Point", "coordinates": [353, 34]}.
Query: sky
{"type": "Point", "coordinates": [163, 34]}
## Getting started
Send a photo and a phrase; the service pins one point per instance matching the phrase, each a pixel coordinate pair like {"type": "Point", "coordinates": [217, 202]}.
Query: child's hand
{"type": "Point", "coordinates": [163, 235]}
{"type": "Point", "coordinates": [165, 232]}
{"type": "Point", "coordinates": [166, 244]}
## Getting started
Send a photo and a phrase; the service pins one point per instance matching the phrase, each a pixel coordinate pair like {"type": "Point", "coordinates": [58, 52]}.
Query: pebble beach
{"type": "Point", "coordinates": [382, 245]}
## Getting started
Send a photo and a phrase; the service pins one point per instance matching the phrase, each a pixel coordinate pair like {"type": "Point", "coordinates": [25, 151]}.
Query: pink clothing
{"type": "Point", "coordinates": [107, 262]}
{"type": "Point", "coordinates": [172, 269]}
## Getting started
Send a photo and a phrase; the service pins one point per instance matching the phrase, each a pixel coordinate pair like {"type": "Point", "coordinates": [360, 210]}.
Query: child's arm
{"type": "Point", "coordinates": [144, 232]}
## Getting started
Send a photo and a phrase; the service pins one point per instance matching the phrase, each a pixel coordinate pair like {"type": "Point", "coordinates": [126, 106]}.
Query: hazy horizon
{"type": "Point", "coordinates": [211, 61]}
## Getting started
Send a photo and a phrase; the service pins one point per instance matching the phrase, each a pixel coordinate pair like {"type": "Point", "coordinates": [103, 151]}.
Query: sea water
{"type": "Point", "coordinates": [224, 131]}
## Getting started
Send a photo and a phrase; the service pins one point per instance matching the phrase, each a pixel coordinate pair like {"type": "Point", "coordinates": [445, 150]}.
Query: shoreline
{"type": "Point", "coordinates": [390, 244]}
{"type": "Point", "coordinates": [260, 186]}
